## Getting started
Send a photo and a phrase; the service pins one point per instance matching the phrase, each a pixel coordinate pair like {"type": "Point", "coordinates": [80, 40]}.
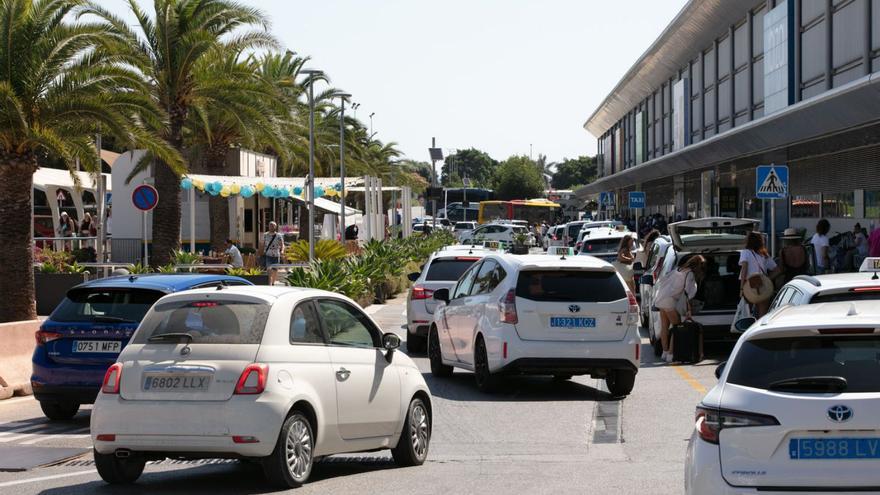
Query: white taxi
{"type": "Point", "coordinates": [274, 374]}
{"type": "Point", "coordinates": [537, 315]}
{"type": "Point", "coordinates": [795, 408]}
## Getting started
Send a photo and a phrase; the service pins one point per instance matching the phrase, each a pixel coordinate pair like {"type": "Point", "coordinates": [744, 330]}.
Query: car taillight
{"type": "Point", "coordinates": [507, 307]}
{"type": "Point", "coordinates": [252, 380]}
{"type": "Point", "coordinates": [419, 292]}
{"type": "Point", "coordinates": [633, 313]}
{"type": "Point", "coordinates": [112, 378]}
{"type": "Point", "coordinates": [43, 336]}
{"type": "Point", "coordinates": [710, 421]}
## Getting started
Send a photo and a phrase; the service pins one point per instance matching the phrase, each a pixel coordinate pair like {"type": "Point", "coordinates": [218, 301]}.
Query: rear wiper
{"type": "Point", "coordinates": [112, 319]}
{"type": "Point", "coordinates": [811, 384]}
{"type": "Point", "coordinates": [171, 336]}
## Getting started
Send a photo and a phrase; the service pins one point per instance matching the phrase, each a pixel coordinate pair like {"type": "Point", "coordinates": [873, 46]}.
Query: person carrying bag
{"type": "Point", "coordinates": [756, 267]}
{"type": "Point", "coordinates": [671, 290]}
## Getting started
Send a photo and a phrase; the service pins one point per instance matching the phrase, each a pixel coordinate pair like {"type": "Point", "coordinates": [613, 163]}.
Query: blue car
{"type": "Point", "coordinates": [86, 332]}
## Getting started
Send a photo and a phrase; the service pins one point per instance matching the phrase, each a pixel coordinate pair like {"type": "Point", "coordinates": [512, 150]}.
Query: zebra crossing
{"type": "Point", "coordinates": [42, 432]}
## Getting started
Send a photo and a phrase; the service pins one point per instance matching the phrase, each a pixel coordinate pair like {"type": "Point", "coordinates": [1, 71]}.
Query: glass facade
{"type": "Point", "coordinates": [838, 205]}
{"type": "Point", "coordinates": [805, 206]}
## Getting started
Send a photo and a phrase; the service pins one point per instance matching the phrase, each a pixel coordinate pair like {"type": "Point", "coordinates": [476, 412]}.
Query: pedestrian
{"type": "Point", "coordinates": [66, 228]}
{"type": "Point", "coordinates": [624, 262]}
{"type": "Point", "coordinates": [108, 224]}
{"type": "Point", "coordinates": [821, 246]}
{"type": "Point", "coordinates": [646, 255]}
{"type": "Point", "coordinates": [233, 254]}
{"type": "Point", "coordinates": [874, 243]}
{"type": "Point", "coordinates": [273, 246]}
{"type": "Point", "coordinates": [757, 266]}
{"type": "Point", "coordinates": [793, 256]}
{"type": "Point", "coordinates": [861, 249]}
{"type": "Point", "coordinates": [87, 228]}
{"type": "Point", "coordinates": [668, 294]}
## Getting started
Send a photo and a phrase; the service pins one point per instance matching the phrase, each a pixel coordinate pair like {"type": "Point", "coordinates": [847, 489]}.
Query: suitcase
{"type": "Point", "coordinates": [686, 341]}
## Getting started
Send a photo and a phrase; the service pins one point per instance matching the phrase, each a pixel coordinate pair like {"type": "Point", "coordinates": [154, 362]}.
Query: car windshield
{"type": "Point", "coordinates": [105, 305]}
{"type": "Point", "coordinates": [448, 269]}
{"type": "Point", "coordinates": [763, 363]}
{"type": "Point", "coordinates": [213, 321]}
{"type": "Point", "coordinates": [570, 285]}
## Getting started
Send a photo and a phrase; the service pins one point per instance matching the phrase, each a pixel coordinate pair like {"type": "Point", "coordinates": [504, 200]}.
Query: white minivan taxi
{"type": "Point", "coordinates": [537, 315]}
{"type": "Point", "coordinates": [278, 375]}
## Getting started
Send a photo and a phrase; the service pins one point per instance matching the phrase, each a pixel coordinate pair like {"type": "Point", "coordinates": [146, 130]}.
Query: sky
{"type": "Point", "coordinates": [504, 76]}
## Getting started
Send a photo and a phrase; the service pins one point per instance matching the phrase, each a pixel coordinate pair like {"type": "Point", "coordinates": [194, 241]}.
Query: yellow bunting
{"type": "Point", "coordinates": [234, 189]}
{"type": "Point", "coordinates": [224, 191]}
{"type": "Point", "coordinates": [259, 186]}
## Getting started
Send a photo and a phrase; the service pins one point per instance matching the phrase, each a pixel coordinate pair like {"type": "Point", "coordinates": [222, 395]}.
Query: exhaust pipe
{"type": "Point", "coordinates": [123, 453]}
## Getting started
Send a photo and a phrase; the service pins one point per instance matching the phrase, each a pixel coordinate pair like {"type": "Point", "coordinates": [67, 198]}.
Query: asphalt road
{"type": "Point", "coordinates": [533, 436]}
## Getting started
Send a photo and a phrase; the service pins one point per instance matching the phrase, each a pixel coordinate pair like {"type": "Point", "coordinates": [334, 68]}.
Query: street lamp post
{"type": "Point", "coordinates": [371, 124]}
{"type": "Point", "coordinates": [311, 73]}
{"type": "Point", "coordinates": [342, 97]}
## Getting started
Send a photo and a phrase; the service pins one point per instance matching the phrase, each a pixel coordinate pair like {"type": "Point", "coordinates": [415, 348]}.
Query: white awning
{"type": "Point", "coordinates": [228, 180]}
{"type": "Point", "coordinates": [328, 206]}
{"type": "Point", "coordinates": [53, 177]}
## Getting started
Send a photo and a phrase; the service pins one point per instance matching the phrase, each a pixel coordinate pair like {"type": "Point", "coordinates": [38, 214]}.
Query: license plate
{"type": "Point", "coordinates": [176, 383]}
{"type": "Point", "coordinates": [834, 448]}
{"type": "Point", "coordinates": [97, 346]}
{"type": "Point", "coordinates": [569, 322]}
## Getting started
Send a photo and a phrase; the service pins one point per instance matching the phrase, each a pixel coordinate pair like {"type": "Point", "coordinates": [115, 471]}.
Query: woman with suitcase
{"type": "Point", "coordinates": [675, 286]}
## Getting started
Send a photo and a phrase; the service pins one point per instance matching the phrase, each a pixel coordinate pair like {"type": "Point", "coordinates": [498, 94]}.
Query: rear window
{"type": "Point", "coordinates": [448, 269]}
{"type": "Point", "coordinates": [763, 362]}
{"type": "Point", "coordinates": [570, 285]}
{"type": "Point", "coordinates": [601, 246]}
{"type": "Point", "coordinates": [105, 305]}
{"type": "Point", "coordinates": [463, 226]}
{"type": "Point", "coordinates": [207, 322]}
{"type": "Point", "coordinates": [574, 230]}
{"type": "Point", "coordinates": [845, 296]}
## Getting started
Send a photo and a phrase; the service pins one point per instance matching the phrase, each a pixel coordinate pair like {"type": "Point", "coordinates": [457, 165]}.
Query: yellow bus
{"type": "Point", "coordinates": [532, 211]}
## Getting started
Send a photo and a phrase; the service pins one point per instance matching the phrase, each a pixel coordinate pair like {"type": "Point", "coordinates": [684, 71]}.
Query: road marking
{"type": "Point", "coordinates": [687, 377]}
{"type": "Point", "coordinates": [46, 478]}
{"type": "Point", "coordinates": [22, 430]}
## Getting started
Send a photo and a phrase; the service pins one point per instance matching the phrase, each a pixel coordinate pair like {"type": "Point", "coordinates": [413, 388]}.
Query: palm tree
{"type": "Point", "coordinates": [58, 86]}
{"type": "Point", "coordinates": [251, 118]}
{"type": "Point", "coordinates": [168, 48]}
{"type": "Point", "coordinates": [547, 169]}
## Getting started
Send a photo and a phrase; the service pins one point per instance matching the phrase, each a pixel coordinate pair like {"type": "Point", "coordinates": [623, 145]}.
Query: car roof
{"type": "Point", "coordinates": [520, 261]}
{"type": "Point", "coordinates": [843, 314]}
{"type": "Point", "coordinates": [159, 281]}
{"type": "Point", "coordinates": [834, 281]}
{"type": "Point", "coordinates": [268, 293]}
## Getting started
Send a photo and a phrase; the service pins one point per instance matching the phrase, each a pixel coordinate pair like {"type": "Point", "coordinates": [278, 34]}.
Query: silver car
{"type": "Point", "coordinates": [441, 271]}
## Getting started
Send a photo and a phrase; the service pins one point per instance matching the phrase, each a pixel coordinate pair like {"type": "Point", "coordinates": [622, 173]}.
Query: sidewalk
{"type": "Point", "coordinates": [391, 316]}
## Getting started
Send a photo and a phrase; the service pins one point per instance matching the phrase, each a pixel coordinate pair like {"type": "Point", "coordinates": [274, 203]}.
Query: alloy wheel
{"type": "Point", "coordinates": [299, 449]}
{"type": "Point", "coordinates": [418, 425]}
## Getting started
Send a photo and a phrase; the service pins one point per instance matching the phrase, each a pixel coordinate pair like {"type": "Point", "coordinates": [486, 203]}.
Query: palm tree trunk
{"type": "Point", "coordinates": [166, 215]}
{"type": "Point", "coordinates": [218, 206]}
{"type": "Point", "coordinates": [16, 255]}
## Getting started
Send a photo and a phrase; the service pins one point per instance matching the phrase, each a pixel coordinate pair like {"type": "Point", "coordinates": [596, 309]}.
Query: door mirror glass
{"type": "Point", "coordinates": [390, 341]}
{"type": "Point", "coordinates": [719, 370]}
{"type": "Point", "coordinates": [441, 295]}
{"type": "Point", "coordinates": [413, 276]}
{"type": "Point", "coordinates": [743, 324]}
{"type": "Point", "coordinates": [647, 280]}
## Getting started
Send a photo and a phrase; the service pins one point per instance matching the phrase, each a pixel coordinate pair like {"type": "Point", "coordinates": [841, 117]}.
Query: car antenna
{"type": "Point", "coordinates": [132, 278]}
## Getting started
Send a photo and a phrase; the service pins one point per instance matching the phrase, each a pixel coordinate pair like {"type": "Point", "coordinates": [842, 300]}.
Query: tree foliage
{"type": "Point", "coordinates": [472, 163]}
{"type": "Point", "coordinates": [574, 172]}
{"type": "Point", "coordinates": [518, 177]}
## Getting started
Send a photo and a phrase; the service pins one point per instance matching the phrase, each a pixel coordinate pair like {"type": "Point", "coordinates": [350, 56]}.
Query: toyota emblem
{"type": "Point", "coordinates": [574, 308]}
{"type": "Point", "coordinates": [840, 413]}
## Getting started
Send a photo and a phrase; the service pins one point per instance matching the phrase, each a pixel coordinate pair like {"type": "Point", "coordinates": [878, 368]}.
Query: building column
{"type": "Point", "coordinates": [680, 206]}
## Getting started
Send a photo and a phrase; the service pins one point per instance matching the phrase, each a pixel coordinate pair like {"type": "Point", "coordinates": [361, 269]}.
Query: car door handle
{"type": "Point", "coordinates": [342, 374]}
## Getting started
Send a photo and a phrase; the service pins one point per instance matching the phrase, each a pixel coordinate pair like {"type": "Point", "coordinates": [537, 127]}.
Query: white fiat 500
{"type": "Point", "coordinates": [537, 315]}
{"type": "Point", "coordinates": [279, 375]}
{"type": "Point", "coordinates": [795, 408]}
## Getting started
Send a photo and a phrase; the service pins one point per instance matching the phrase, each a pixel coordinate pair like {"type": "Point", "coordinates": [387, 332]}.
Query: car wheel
{"type": "Point", "coordinates": [59, 411]}
{"type": "Point", "coordinates": [620, 382]}
{"type": "Point", "coordinates": [119, 470]}
{"type": "Point", "coordinates": [412, 447]}
{"type": "Point", "coordinates": [482, 375]}
{"type": "Point", "coordinates": [415, 343]}
{"type": "Point", "coordinates": [290, 464]}
{"type": "Point", "coordinates": [438, 369]}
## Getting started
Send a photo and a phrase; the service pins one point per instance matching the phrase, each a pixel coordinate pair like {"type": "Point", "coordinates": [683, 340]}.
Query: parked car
{"type": "Point", "coordinates": [461, 228]}
{"type": "Point", "coordinates": [554, 237]}
{"type": "Point", "coordinates": [88, 330]}
{"type": "Point", "coordinates": [277, 375]}
{"type": "Point", "coordinates": [719, 240]}
{"type": "Point", "coordinates": [795, 408]}
{"type": "Point", "coordinates": [589, 228]}
{"type": "Point", "coordinates": [442, 270]}
{"type": "Point", "coordinates": [537, 315]}
{"type": "Point", "coordinates": [603, 243]}
{"type": "Point", "coordinates": [501, 232]}
{"type": "Point", "coordinates": [806, 289]}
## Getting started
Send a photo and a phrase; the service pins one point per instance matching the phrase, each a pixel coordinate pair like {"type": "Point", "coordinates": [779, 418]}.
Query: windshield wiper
{"type": "Point", "coordinates": [171, 336]}
{"type": "Point", "coordinates": [112, 319]}
{"type": "Point", "coordinates": [811, 384]}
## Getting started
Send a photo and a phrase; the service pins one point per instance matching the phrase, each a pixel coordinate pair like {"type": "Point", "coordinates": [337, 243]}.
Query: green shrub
{"type": "Point", "coordinates": [325, 249]}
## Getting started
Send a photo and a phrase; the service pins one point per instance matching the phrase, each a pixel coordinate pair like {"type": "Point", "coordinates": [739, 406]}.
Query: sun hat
{"type": "Point", "coordinates": [790, 233]}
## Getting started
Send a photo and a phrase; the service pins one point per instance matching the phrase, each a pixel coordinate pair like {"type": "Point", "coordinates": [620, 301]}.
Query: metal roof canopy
{"type": "Point", "coordinates": [328, 206]}
{"type": "Point", "coordinates": [850, 106]}
{"type": "Point", "coordinates": [695, 27]}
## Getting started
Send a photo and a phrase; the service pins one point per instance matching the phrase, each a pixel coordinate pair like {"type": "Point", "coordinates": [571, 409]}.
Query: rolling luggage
{"type": "Point", "coordinates": [686, 341]}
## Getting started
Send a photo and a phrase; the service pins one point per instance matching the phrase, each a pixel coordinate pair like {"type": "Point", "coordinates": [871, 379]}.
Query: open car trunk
{"type": "Point", "coordinates": [712, 234]}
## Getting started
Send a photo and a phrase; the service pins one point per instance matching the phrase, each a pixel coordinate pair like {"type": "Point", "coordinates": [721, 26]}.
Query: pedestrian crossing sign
{"type": "Point", "coordinates": [772, 182]}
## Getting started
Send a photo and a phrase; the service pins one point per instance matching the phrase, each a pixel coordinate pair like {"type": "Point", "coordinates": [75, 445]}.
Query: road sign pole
{"type": "Point", "coordinates": [144, 235]}
{"type": "Point", "coordinates": [772, 227]}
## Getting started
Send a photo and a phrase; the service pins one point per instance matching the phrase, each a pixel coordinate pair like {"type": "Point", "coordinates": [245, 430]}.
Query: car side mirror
{"type": "Point", "coordinates": [441, 295]}
{"type": "Point", "coordinates": [743, 324]}
{"type": "Point", "coordinates": [638, 266]}
{"type": "Point", "coordinates": [719, 370]}
{"type": "Point", "coordinates": [390, 342]}
{"type": "Point", "coordinates": [413, 276]}
{"type": "Point", "coordinates": [647, 279]}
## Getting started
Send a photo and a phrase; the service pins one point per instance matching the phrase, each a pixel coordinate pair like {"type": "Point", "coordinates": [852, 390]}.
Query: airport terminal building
{"type": "Point", "coordinates": [733, 84]}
